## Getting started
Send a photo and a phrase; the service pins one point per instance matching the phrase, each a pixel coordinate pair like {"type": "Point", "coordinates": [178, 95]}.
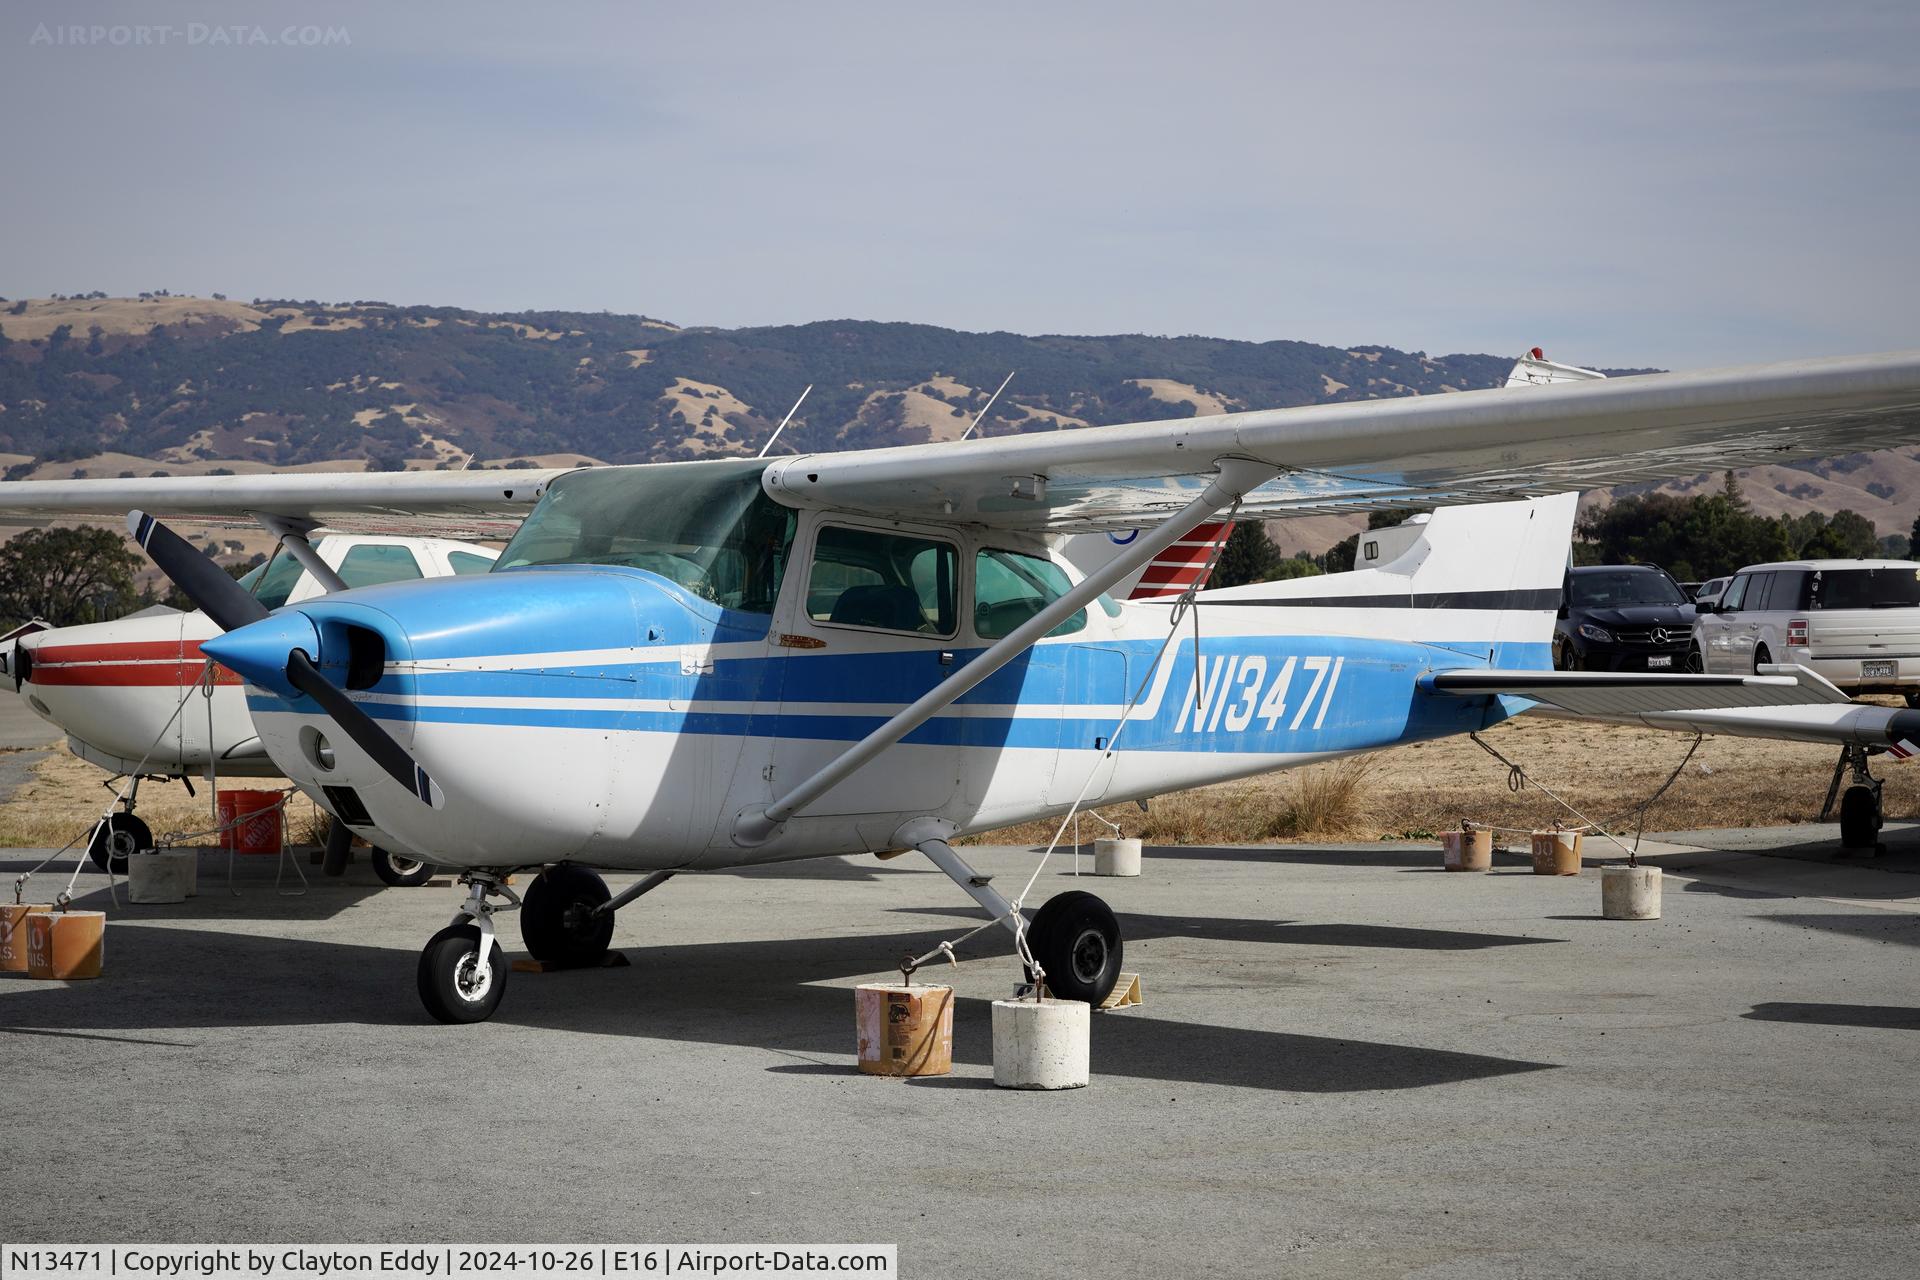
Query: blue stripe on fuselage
{"type": "Point", "coordinates": [1342, 693]}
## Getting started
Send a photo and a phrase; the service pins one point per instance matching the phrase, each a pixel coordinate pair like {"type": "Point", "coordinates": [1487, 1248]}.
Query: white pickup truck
{"type": "Point", "coordinates": [1855, 622]}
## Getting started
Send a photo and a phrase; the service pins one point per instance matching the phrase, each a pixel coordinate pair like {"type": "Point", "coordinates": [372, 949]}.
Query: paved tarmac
{"type": "Point", "coordinates": [1349, 1063]}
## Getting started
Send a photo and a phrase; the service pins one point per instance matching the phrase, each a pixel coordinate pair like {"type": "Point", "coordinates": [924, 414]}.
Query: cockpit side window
{"type": "Point", "coordinates": [890, 581]}
{"type": "Point", "coordinates": [273, 582]}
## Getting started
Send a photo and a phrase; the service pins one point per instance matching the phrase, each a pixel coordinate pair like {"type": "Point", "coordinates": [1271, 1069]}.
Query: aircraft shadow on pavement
{"type": "Point", "coordinates": [1385, 855]}
{"type": "Point", "coordinates": [1138, 928]}
{"type": "Point", "coordinates": [256, 899]}
{"type": "Point", "coordinates": [1877, 926]}
{"type": "Point", "coordinates": [1895, 1017]}
{"type": "Point", "coordinates": [163, 983]}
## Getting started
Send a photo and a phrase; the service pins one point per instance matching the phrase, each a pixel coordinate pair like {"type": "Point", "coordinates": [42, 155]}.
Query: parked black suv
{"type": "Point", "coordinates": [1622, 617]}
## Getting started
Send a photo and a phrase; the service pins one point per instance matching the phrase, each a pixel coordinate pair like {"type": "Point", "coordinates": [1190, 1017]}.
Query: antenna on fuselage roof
{"type": "Point", "coordinates": [990, 399]}
{"type": "Point", "coordinates": [783, 424]}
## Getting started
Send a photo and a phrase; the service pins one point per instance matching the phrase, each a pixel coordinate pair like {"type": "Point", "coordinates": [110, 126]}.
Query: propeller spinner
{"type": "Point", "coordinates": [274, 656]}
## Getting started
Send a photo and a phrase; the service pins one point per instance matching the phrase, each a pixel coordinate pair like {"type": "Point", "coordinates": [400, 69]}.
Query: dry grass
{"type": "Point", "coordinates": [1414, 791]}
{"type": "Point", "coordinates": [65, 798]}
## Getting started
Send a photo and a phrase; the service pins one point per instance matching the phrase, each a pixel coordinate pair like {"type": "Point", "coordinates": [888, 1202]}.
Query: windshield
{"type": "Point", "coordinates": [1865, 589]}
{"type": "Point", "coordinates": [1609, 589]}
{"type": "Point", "coordinates": [706, 525]}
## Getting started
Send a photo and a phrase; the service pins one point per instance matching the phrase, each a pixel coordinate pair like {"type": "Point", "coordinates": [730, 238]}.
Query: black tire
{"type": "Point", "coordinates": [1562, 656]}
{"type": "Point", "coordinates": [446, 973]}
{"type": "Point", "coordinates": [1760, 656]}
{"type": "Point", "coordinates": [401, 871]}
{"type": "Point", "coordinates": [1696, 661]}
{"type": "Point", "coordinates": [120, 835]}
{"type": "Point", "coordinates": [1913, 700]}
{"type": "Point", "coordinates": [1076, 939]}
{"type": "Point", "coordinates": [556, 919]}
{"type": "Point", "coordinates": [1859, 818]}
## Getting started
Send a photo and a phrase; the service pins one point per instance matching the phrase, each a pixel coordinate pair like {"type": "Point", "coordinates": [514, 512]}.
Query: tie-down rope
{"type": "Point", "coordinates": [1188, 600]}
{"type": "Point", "coordinates": [1518, 778]}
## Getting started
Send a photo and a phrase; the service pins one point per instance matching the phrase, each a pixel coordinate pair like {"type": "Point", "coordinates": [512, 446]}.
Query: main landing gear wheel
{"type": "Point", "coordinates": [113, 840]}
{"type": "Point", "coordinates": [400, 871]}
{"type": "Point", "coordinates": [1859, 818]}
{"type": "Point", "coordinates": [557, 920]}
{"type": "Point", "coordinates": [1076, 940]}
{"type": "Point", "coordinates": [453, 984]}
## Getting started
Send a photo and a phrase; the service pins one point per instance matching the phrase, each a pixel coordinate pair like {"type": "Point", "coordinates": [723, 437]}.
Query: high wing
{"type": "Point", "coordinates": [1449, 449]}
{"type": "Point", "coordinates": [463, 504]}
{"type": "Point", "coordinates": [1628, 695]}
{"type": "Point", "coordinates": [1466, 447]}
{"type": "Point", "coordinates": [1784, 702]}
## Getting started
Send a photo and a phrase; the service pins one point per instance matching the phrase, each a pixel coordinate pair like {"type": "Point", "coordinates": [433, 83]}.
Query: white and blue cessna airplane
{"type": "Point", "coordinates": [692, 666]}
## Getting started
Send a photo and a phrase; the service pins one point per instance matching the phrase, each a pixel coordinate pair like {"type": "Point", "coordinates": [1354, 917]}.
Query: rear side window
{"type": "Point", "coordinates": [370, 564]}
{"type": "Point", "coordinates": [464, 562]}
{"type": "Point", "coordinates": [1736, 594]}
{"type": "Point", "coordinates": [1009, 588]}
{"type": "Point", "coordinates": [1760, 592]}
{"type": "Point", "coordinates": [1864, 589]}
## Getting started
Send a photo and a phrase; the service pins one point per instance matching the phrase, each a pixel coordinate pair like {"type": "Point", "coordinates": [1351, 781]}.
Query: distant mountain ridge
{"type": "Point", "coordinates": [171, 384]}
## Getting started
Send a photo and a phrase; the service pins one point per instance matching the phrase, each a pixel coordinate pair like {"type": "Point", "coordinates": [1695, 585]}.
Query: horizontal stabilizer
{"type": "Point", "coordinates": [1607, 693]}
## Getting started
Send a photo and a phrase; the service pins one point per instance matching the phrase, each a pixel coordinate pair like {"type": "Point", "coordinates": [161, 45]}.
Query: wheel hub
{"type": "Point", "coordinates": [1089, 955]}
{"type": "Point", "coordinates": [471, 983]}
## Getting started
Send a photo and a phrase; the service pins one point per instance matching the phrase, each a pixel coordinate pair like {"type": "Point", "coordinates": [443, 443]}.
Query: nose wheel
{"type": "Point", "coordinates": [462, 973]}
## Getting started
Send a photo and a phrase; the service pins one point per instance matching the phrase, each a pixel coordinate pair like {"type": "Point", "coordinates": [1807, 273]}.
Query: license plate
{"type": "Point", "coordinates": [1887, 670]}
{"type": "Point", "coordinates": [1654, 663]}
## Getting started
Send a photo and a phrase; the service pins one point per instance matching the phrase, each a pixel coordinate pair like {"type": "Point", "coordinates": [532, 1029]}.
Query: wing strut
{"type": "Point", "coordinates": [292, 534]}
{"type": "Point", "coordinates": [1235, 477]}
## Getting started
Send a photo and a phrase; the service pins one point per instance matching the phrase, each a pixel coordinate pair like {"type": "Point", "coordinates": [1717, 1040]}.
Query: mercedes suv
{"type": "Point", "coordinates": [1622, 617]}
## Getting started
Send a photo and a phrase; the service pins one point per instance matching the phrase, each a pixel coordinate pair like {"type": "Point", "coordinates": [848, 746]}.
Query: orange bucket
{"type": "Point", "coordinates": [13, 934]}
{"type": "Point", "coordinates": [65, 945]}
{"type": "Point", "coordinates": [249, 821]}
{"type": "Point", "coordinates": [904, 1029]}
{"type": "Point", "coordinates": [1466, 850]}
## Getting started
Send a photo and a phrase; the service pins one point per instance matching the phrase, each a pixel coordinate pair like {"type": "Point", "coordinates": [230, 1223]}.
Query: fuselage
{"type": "Point", "coordinates": [608, 715]}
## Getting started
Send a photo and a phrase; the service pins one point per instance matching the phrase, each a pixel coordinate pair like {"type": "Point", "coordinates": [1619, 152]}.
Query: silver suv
{"type": "Point", "coordinates": [1855, 622]}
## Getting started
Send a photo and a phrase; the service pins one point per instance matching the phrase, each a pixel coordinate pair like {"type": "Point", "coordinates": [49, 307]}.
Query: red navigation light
{"type": "Point", "coordinates": [1538, 354]}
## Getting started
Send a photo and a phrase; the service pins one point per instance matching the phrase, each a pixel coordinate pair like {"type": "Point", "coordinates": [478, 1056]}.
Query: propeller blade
{"type": "Point", "coordinates": [205, 583]}
{"type": "Point", "coordinates": [361, 727]}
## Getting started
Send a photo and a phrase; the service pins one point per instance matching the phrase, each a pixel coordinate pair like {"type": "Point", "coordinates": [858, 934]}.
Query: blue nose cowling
{"type": "Point", "coordinates": [258, 651]}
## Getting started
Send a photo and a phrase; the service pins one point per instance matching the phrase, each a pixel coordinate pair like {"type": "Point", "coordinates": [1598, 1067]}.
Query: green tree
{"type": "Point", "coordinates": [1249, 556]}
{"type": "Point", "coordinates": [66, 576]}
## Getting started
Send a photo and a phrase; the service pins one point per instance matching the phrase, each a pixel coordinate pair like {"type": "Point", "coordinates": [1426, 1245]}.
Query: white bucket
{"type": "Point", "coordinates": [1041, 1044]}
{"type": "Point", "coordinates": [1630, 893]}
{"type": "Point", "coordinates": [170, 875]}
{"type": "Point", "coordinates": [1117, 857]}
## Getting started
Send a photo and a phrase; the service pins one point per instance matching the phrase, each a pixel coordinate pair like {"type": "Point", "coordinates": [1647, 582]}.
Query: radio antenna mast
{"type": "Point", "coordinates": [989, 404]}
{"type": "Point", "coordinates": [783, 424]}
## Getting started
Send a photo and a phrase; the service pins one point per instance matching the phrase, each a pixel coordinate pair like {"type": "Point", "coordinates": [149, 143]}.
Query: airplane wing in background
{"type": "Point", "coordinates": [1466, 447]}
{"type": "Point", "coordinates": [1784, 703]}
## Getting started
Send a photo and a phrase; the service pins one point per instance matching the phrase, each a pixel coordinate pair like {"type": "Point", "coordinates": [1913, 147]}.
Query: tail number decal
{"type": "Point", "coordinates": [1234, 691]}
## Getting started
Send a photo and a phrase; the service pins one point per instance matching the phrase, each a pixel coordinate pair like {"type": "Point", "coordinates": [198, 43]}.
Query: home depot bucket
{"type": "Point", "coordinates": [249, 821]}
{"type": "Point", "coordinates": [65, 945]}
{"type": "Point", "coordinates": [1556, 853]}
{"type": "Point", "coordinates": [1466, 850]}
{"type": "Point", "coordinates": [905, 1029]}
{"type": "Point", "coordinates": [13, 934]}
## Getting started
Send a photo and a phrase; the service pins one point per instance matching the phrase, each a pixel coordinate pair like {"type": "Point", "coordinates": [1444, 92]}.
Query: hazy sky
{"type": "Point", "coordinates": [1661, 184]}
